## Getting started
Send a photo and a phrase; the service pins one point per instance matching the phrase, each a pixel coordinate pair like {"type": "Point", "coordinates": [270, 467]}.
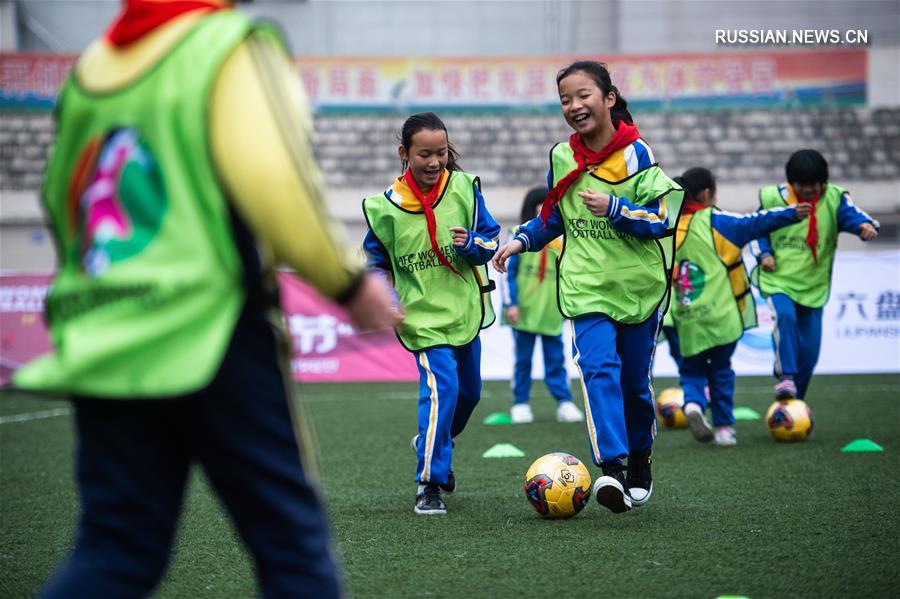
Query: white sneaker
{"type": "Point", "coordinates": [700, 427]}
{"type": "Point", "coordinates": [567, 411]}
{"type": "Point", "coordinates": [521, 414]}
{"type": "Point", "coordinates": [725, 436]}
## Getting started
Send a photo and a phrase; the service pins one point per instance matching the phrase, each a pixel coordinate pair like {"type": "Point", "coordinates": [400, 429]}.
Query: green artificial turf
{"type": "Point", "coordinates": [762, 519]}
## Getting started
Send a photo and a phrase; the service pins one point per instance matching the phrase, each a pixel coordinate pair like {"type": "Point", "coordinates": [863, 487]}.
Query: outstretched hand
{"type": "Point", "coordinates": [373, 307]}
{"type": "Point", "coordinates": [867, 232]}
{"type": "Point", "coordinates": [506, 252]}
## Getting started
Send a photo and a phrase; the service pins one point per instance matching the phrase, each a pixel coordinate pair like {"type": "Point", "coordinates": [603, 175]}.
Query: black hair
{"type": "Point", "coordinates": [533, 199]}
{"type": "Point", "coordinates": [600, 74]}
{"type": "Point", "coordinates": [696, 179]}
{"type": "Point", "coordinates": [431, 122]}
{"type": "Point", "coordinates": [806, 167]}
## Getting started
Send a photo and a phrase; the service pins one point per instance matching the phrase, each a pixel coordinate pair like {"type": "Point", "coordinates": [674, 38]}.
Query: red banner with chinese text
{"type": "Point", "coordinates": [729, 79]}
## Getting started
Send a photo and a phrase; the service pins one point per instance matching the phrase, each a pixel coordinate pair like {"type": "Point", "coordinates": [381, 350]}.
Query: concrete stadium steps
{"type": "Point", "coordinates": [360, 151]}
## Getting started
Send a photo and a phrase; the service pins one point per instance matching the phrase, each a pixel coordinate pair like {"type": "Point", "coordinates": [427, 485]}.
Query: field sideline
{"type": "Point", "coordinates": [760, 520]}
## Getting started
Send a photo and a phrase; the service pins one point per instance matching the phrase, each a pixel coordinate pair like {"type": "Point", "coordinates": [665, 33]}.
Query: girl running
{"type": "Point", "coordinates": [713, 306]}
{"type": "Point", "coordinates": [432, 235]}
{"type": "Point", "coordinates": [614, 206]}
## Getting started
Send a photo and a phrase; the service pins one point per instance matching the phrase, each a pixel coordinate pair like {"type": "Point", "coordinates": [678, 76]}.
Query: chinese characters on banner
{"type": "Point", "coordinates": [348, 83]}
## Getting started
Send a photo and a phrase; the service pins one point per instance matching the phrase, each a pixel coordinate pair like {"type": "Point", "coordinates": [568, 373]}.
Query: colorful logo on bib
{"type": "Point", "coordinates": [689, 282]}
{"type": "Point", "coordinates": [117, 200]}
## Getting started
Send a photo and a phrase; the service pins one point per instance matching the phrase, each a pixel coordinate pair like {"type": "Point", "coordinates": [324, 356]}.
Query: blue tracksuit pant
{"type": "Point", "coordinates": [797, 338]}
{"type": "Point", "coordinates": [614, 362]}
{"type": "Point", "coordinates": [711, 367]}
{"type": "Point", "coordinates": [133, 459]}
{"type": "Point", "coordinates": [449, 390]}
{"type": "Point", "coordinates": [671, 334]}
{"type": "Point", "coordinates": [555, 376]}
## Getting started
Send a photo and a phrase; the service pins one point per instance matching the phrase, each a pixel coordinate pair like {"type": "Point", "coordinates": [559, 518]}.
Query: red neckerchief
{"type": "Point", "coordinates": [427, 207]}
{"type": "Point", "coordinates": [625, 134]}
{"type": "Point", "coordinates": [542, 269]}
{"type": "Point", "coordinates": [812, 229]}
{"type": "Point", "coordinates": [692, 206]}
{"type": "Point", "coordinates": [140, 17]}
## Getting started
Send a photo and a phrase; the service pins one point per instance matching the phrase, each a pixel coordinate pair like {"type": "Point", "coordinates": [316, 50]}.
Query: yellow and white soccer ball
{"type": "Point", "coordinates": [557, 485]}
{"type": "Point", "coordinates": [669, 406]}
{"type": "Point", "coordinates": [790, 420]}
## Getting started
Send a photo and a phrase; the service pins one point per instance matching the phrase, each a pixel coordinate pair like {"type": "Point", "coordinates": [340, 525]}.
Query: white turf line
{"type": "Point", "coordinates": [34, 415]}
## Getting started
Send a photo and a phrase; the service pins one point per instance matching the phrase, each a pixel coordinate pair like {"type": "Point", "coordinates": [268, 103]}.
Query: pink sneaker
{"type": "Point", "coordinates": [725, 436]}
{"type": "Point", "coordinates": [785, 389]}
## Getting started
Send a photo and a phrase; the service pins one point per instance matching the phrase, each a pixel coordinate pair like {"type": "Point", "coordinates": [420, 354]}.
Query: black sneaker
{"type": "Point", "coordinates": [449, 486]}
{"type": "Point", "coordinates": [639, 481]}
{"type": "Point", "coordinates": [429, 501]}
{"type": "Point", "coordinates": [610, 489]}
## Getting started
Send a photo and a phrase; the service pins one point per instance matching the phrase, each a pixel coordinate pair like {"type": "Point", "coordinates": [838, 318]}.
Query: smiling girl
{"type": "Point", "coordinates": [614, 206]}
{"type": "Point", "coordinates": [431, 234]}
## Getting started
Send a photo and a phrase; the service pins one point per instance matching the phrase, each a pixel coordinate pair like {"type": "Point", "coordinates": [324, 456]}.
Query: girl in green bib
{"type": "Point", "coordinates": [713, 306]}
{"type": "Point", "coordinates": [616, 210]}
{"type": "Point", "coordinates": [431, 234]}
{"type": "Point", "coordinates": [529, 307]}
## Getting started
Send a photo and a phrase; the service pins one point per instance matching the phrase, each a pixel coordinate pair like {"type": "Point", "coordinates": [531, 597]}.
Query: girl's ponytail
{"type": "Point", "coordinates": [619, 111]}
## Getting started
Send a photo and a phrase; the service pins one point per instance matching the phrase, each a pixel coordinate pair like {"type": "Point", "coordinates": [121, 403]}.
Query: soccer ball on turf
{"type": "Point", "coordinates": [668, 405]}
{"type": "Point", "coordinates": [790, 420]}
{"type": "Point", "coordinates": [557, 485]}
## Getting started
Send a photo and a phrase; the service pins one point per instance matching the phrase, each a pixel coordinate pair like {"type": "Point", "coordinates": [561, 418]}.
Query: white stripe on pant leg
{"type": "Point", "coordinates": [775, 336]}
{"type": "Point", "coordinates": [592, 432]}
{"type": "Point", "coordinates": [659, 320]}
{"type": "Point", "coordinates": [431, 431]}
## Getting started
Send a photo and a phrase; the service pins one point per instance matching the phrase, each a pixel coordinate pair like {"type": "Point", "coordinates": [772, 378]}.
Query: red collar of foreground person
{"type": "Point", "coordinates": [427, 202]}
{"type": "Point", "coordinates": [140, 17]}
{"type": "Point", "coordinates": [626, 134]}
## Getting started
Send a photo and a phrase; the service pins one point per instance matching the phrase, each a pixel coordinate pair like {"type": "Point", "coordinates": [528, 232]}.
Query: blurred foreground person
{"type": "Point", "coordinates": [181, 175]}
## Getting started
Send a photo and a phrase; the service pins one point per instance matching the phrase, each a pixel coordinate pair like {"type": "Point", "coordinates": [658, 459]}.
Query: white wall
{"type": "Point", "coordinates": [884, 76]}
{"type": "Point", "coordinates": [492, 27]}
{"type": "Point", "coordinates": [9, 34]}
{"type": "Point", "coordinates": [689, 25]}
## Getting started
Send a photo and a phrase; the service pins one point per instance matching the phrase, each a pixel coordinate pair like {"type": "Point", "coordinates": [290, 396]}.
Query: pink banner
{"type": "Point", "coordinates": [326, 347]}
{"type": "Point", "coordinates": [23, 335]}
